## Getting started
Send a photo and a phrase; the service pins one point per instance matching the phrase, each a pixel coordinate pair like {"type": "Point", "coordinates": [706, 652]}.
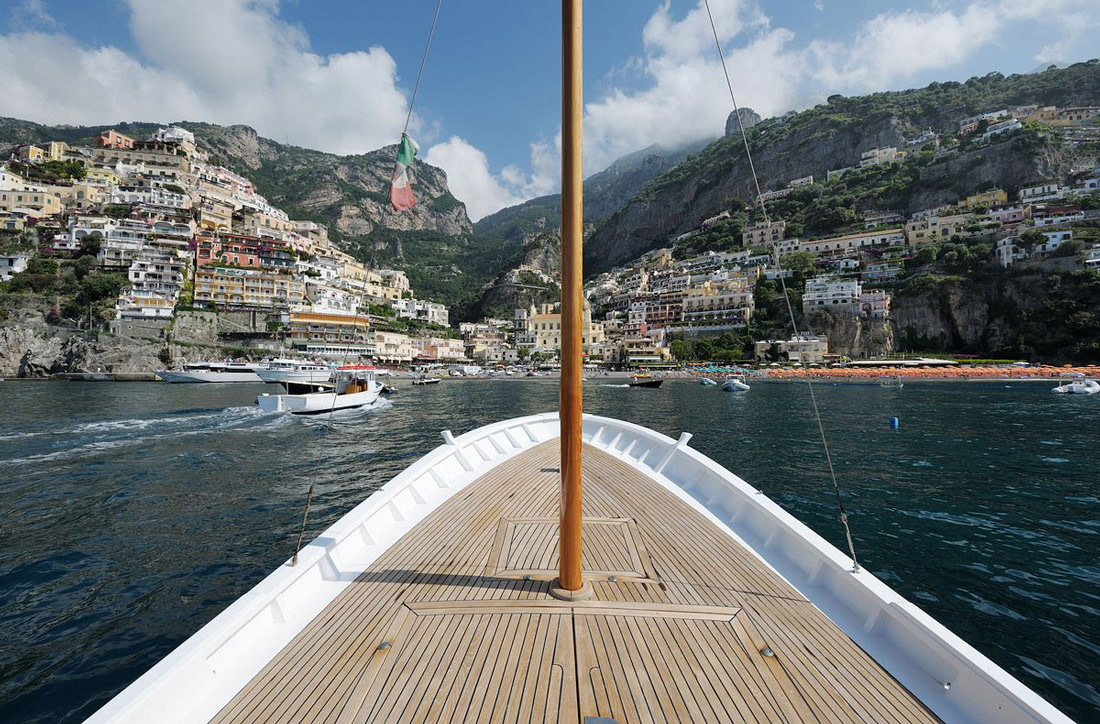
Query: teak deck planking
{"type": "Point", "coordinates": [454, 622]}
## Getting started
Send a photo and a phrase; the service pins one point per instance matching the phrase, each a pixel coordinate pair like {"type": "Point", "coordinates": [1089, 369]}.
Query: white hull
{"type": "Point", "coordinates": [196, 680]}
{"type": "Point", "coordinates": [735, 386]}
{"type": "Point", "coordinates": [207, 376]}
{"type": "Point", "coordinates": [304, 377]}
{"type": "Point", "coordinates": [317, 402]}
{"type": "Point", "coordinates": [1088, 387]}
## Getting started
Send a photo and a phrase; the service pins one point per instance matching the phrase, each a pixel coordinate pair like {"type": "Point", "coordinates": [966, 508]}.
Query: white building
{"type": "Point", "coordinates": [1007, 252]}
{"type": "Point", "coordinates": [833, 295]}
{"type": "Point", "coordinates": [12, 264]}
{"type": "Point", "coordinates": [803, 350]}
{"type": "Point", "coordinates": [1041, 192]}
{"type": "Point", "coordinates": [430, 312]}
{"type": "Point", "coordinates": [874, 304]}
{"type": "Point", "coordinates": [156, 278]}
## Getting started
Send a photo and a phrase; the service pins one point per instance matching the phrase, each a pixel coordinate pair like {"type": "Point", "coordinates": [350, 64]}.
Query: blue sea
{"type": "Point", "coordinates": [132, 513]}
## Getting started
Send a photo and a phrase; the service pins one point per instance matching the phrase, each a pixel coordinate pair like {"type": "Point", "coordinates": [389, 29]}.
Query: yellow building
{"type": "Point", "coordinates": [102, 177]}
{"type": "Point", "coordinates": [992, 197]}
{"type": "Point", "coordinates": [247, 288]}
{"type": "Point", "coordinates": [547, 328]}
{"type": "Point", "coordinates": [331, 335]}
{"type": "Point", "coordinates": [38, 201]}
{"type": "Point", "coordinates": [56, 150]}
{"type": "Point", "coordinates": [253, 222]}
{"type": "Point", "coordinates": [31, 153]}
{"type": "Point", "coordinates": [936, 228]}
{"type": "Point", "coordinates": [394, 347]}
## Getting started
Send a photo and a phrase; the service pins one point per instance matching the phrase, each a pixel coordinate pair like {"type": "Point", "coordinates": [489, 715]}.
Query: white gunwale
{"type": "Point", "coordinates": [203, 674]}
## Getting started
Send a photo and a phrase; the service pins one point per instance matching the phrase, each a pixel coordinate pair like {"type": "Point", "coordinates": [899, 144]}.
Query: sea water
{"type": "Point", "coordinates": [132, 513]}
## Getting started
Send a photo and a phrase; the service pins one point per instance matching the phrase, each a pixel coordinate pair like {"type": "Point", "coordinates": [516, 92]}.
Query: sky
{"type": "Point", "coordinates": [338, 75]}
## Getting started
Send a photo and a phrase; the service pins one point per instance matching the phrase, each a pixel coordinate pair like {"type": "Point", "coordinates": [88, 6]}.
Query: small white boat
{"type": "Point", "coordinates": [707, 382]}
{"type": "Point", "coordinates": [289, 370]}
{"type": "Point", "coordinates": [735, 384]}
{"type": "Point", "coordinates": [1078, 387]}
{"type": "Point", "coordinates": [425, 381]}
{"type": "Point", "coordinates": [354, 387]}
{"type": "Point", "coordinates": [894, 382]}
{"type": "Point", "coordinates": [209, 371]}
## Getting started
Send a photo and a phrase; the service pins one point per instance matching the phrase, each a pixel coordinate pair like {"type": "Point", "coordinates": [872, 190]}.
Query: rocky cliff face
{"type": "Point", "coordinates": [1016, 162]}
{"type": "Point", "coordinates": [1048, 311]}
{"type": "Point", "coordinates": [707, 184]}
{"type": "Point", "coordinates": [854, 337]}
{"type": "Point", "coordinates": [350, 193]}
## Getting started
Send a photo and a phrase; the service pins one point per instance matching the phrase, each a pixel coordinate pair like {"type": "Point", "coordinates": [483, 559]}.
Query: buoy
{"type": "Point", "coordinates": [894, 423]}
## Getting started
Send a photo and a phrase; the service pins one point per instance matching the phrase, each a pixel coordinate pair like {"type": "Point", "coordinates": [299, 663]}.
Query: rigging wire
{"type": "Point", "coordinates": [423, 62]}
{"type": "Point", "coordinates": [786, 297]}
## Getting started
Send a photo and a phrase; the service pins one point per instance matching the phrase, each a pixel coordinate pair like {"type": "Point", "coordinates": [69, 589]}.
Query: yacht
{"type": "Point", "coordinates": [352, 387]}
{"type": "Point", "coordinates": [458, 591]}
{"type": "Point", "coordinates": [209, 371]}
{"type": "Point", "coordinates": [288, 370]}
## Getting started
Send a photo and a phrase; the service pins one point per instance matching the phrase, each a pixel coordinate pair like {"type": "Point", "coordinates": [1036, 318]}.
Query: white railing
{"type": "Point", "coordinates": [197, 679]}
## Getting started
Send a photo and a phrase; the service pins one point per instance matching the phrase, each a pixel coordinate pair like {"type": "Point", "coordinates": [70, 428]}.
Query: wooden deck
{"type": "Point", "coordinates": [454, 622]}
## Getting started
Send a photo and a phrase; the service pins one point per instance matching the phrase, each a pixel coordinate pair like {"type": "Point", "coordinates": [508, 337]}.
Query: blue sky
{"type": "Point", "coordinates": [337, 74]}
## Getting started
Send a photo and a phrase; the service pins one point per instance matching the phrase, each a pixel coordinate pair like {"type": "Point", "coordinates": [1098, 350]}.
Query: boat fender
{"type": "Point", "coordinates": [894, 423]}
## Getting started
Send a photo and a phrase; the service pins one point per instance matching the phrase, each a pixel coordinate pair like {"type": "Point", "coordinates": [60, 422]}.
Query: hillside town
{"type": "Point", "coordinates": [189, 234]}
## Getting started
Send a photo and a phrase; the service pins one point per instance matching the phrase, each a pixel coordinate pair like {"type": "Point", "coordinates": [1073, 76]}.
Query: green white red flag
{"type": "Point", "coordinates": [401, 195]}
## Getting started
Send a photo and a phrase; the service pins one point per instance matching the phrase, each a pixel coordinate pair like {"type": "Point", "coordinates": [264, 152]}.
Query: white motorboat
{"type": "Point", "coordinates": [352, 387]}
{"type": "Point", "coordinates": [209, 371]}
{"type": "Point", "coordinates": [707, 382]}
{"type": "Point", "coordinates": [1078, 387]}
{"type": "Point", "coordinates": [425, 381]}
{"type": "Point", "coordinates": [891, 382]}
{"type": "Point", "coordinates": [735, 384]}
{"type": "Point", "coordinates": [289, 370]}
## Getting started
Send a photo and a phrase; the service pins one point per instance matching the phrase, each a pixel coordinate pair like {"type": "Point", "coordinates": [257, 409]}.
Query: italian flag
{"type": "Point", "coordinates": [401, 195]}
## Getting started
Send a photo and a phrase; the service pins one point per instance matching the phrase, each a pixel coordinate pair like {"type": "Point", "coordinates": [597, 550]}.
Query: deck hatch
{"type": "Point", "coordinates": [528, 547]}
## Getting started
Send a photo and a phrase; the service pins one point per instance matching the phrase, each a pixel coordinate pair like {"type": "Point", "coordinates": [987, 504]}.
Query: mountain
{"type": "Point", "coordinates": [833, 135]}
{"type": "Point", "coordinates": [347, 193]}
{"type": "Point", "coordinates": [433, 241]}
{"type": "Point", "coordinates": [604, 193]}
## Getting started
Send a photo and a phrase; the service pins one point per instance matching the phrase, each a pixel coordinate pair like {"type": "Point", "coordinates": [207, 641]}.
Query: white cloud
{"type": "Point", "coordinates": [471, 180]}
{"type": "Point", "coordinates": [223, 61]}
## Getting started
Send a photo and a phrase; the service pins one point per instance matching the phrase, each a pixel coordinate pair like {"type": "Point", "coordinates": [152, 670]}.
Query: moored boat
{"type": "Point", "coordinates": [707, 382]}
{"type": "Point", "coordinates": [891, 382]}
{"type": "Point", "coordinates": [425, 380]}
{"type": "Point", "coordinates": [735, 384]}
{"type": "Point", "coordinates": [209, 371]}
{"type": "Point", "coordinates": [1078, 387]}
{"type": "Point", "coordinates": [288, 370]}
{"type": "Point", "coordinates": [351, 387]}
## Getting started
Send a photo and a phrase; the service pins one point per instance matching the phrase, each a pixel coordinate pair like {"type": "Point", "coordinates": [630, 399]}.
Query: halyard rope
{"type": "Point", "coordinates": [786, 297]}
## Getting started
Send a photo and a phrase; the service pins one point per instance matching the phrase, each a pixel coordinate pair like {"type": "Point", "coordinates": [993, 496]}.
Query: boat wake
{"type": "Point", "coordinates": [92, 439]}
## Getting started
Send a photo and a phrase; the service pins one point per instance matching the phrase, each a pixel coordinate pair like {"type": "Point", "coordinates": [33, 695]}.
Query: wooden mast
{"type": "Point", "coordinates": [570, 582]}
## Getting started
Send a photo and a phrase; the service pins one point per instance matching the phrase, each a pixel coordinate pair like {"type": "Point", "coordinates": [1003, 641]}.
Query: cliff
{"type": "Point", "coordinates": [833, 135]}
{"type": "Point", "coordinates": [1032, 311]}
